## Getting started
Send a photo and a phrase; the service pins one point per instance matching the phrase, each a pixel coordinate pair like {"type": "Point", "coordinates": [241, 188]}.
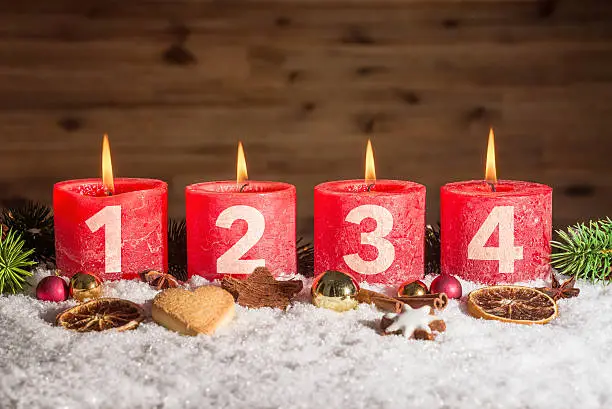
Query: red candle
{"type": "Point", "coordinates": [373, 229]}
{"type": "Point", "coordinates": [235, 226]}
{"type": "Point", "coordinates": [496, 231]}
{"type": "Point", "coordinates": [113, 229]}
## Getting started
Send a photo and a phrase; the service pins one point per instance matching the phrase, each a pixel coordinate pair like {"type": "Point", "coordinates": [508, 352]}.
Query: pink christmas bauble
{"type": "Point", "coordinates": [52, 288]}
{"type": "Point", "coordinates": [446, 284]}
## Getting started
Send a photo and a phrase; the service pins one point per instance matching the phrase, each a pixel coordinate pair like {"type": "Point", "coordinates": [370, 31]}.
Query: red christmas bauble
{"type": "Point", "coordinates": [52, 288]}
{"type": "Point", "coordinates": [446, 284]}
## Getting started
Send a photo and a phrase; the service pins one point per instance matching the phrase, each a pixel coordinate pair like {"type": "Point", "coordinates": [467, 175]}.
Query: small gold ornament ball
{"type": "Point", "coordinates": [84, 286]}
{"type": "Point", "coordinates": [335, 290]}
{"type": "Point", "coordinates": [412, 288]}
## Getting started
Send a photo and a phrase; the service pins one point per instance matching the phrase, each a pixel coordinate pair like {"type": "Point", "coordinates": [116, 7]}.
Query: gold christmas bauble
{"type": "Point", "coordinates": [412, 288]}
{"type": "Point", "coordinates": [85, 286]}
{"type": "Point", "coordinates": [335, 290]}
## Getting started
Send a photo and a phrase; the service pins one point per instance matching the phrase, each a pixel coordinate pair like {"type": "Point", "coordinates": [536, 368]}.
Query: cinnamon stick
{"type": "Point", "coordinates": [437, 301]}
{"type": "Point", "coordinates": [381, 301]}
{"type": "Point", "coordinates": [391, 304]}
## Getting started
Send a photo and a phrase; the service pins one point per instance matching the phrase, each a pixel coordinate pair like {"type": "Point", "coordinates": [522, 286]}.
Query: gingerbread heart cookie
{"type": "Point", "coordinates": [200, 311]}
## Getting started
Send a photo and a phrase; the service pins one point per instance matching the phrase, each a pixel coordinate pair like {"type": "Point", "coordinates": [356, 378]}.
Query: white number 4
{"type": "Point", "coordinates": [507, 252]}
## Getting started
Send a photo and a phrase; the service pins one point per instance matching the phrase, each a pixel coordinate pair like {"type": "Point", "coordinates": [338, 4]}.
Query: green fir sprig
{"type": "Point", "coordinates": [305, 257]}
{"type": "Point", "coordinates": [34, 222]}
{"type": "Point", "coordinates": [432, 249]}
{"type": "Point", "coordinates": [177, 249]}
{"type": "Point", "coordinates": [585, 251]}
{"type": "Point", "coordinates": [14, 261]}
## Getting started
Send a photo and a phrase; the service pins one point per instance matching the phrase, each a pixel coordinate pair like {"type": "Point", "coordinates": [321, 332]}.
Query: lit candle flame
{"type": "Point", "coordinates": [491, 171]}
{"type": "Point", "coordinates": [241, 167]}
{"type": "Point", "coordinates": [370, 169]}
{"type": "Point", "coordinates": [107, 167]}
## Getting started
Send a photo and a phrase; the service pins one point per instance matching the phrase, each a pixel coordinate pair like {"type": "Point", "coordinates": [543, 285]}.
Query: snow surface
{"type": "Point", "coordinates": [307, 358]}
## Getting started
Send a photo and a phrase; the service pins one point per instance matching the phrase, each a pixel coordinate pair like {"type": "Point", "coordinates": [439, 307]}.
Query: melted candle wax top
{"type": "Point", "coordinates": [360, 186]}
{"type": "Point", "coordinates": [95, 190]}
{"type": "Point", "coordinates": [94, 187]}
{"type": "Point", "coordinates": [502, 188]}
{"type": "Point", "coordinates": [245, 187]}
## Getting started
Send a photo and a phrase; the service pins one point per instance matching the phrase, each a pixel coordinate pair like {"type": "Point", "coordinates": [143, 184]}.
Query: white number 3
{"type": "Point", "coordinates": [386, 251]}
{"type": "Point", "coordinates": [507, 252]}
{"type": "Point", "coordinates": [229, 262]}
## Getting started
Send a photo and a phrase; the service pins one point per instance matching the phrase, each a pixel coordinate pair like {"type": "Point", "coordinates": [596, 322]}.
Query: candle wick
{"type": "Point", "coordinates": [371, 186]}
{"type": "Point", "coordinates": [242, 187]}
{"type": "Point", "coordinates": [108, 192]}
{"type": "Point", "coordinates": [493, 188]}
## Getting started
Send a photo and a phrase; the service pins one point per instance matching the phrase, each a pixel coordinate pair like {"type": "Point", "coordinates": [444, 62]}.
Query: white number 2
{"type": "Point", "coordinates": [507, 252]}
{"type": "Point", "coordinates": [110, 218]}
{"type": "Point", "coordinates": [386, 251]}
{"type": "Point", "coordinates": [229, 262]}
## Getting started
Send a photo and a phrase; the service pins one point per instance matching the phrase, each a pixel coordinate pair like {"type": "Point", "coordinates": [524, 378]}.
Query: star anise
{"type": "Point", "coordinates": [558, 291]}
{"type": "Point", "coordinates": [159, 280]}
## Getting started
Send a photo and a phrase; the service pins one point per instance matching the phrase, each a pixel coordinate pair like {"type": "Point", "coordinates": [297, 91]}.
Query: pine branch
{"type": "Point", "coordinates": [177, 249]}
{"type": "Point", "coordinates": [305, 257]}
{"type": "Point", "coordinates": [34, 222]}
{"type": "Point", "coordinates": [13, 263]}
{"type": "Point", "coordinates": [585, 251]}
{"type": "Point", "coordinates": [432, 249]}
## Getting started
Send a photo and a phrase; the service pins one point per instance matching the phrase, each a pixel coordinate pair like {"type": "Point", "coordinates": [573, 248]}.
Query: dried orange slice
{"type": "Point", "coordinates": [511, 303]}
{"type": "Point", "coordinates": [102, 314]}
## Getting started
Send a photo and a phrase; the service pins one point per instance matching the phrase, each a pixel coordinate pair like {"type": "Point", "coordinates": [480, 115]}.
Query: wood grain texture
{"type": "Point", "coordinates": [304, 83]}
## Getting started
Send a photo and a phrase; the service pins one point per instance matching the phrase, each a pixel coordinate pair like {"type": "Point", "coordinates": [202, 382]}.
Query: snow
{"type": "Point", "coordinates": [307, 358]}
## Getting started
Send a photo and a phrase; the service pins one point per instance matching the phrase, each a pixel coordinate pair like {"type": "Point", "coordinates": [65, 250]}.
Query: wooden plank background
{"type": "Point", "coordinates": [304, 83]}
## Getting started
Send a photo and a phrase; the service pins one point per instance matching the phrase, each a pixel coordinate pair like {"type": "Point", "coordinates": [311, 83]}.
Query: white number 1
{"type": "Point", "coordinates": [386, 251]}
{"type": "Point", "coordinates": [110, 218]}
{"type": "Point", "coordinates": [507, 252]}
